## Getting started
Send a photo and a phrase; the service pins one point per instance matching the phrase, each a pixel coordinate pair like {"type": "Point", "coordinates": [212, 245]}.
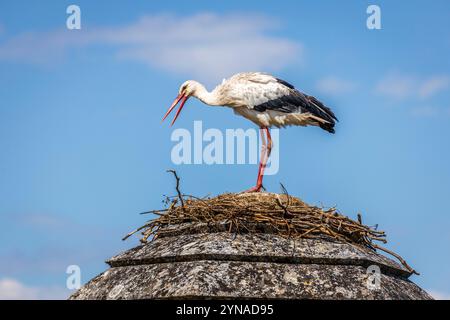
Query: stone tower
{"type": "Point", "coordinates": [192, 260]}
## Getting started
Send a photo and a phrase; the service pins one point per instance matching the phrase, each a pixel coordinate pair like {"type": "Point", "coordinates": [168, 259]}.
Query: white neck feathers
{"type": "Point", "coordinates": [209, 98]}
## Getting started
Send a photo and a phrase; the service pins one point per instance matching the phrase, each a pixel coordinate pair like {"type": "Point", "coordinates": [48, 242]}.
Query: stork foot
{"type": "Point", "coordinates": [256, 188]}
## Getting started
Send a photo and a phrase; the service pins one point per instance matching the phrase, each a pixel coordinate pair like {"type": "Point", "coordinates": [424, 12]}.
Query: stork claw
{"type": "Point", "coordinates": [256, 188]}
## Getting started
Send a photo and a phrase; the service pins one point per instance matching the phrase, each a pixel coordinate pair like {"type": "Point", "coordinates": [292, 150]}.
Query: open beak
{"type": "Point", "coordinates": [181, 97]}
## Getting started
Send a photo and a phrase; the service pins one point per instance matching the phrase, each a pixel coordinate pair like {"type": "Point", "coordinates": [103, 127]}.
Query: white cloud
{"type": "Point", "coordinates": [396, 86]}
{"type": "Point", "coordinates": [433, 85]}
{"type": "Point", "coordinates": [402, 86]}
{"type": "Point", "coordinates": [335, 86]}
{"type": "Point", "coordinates": [11, 289]}
{"type": "Point", "coordinates": [430, 111]}
{"type": "Point", "coordinates": [42, 221]}
{"type": "Point", "coordinates": [439, 295]}
{"type": "Point", "coordinates": [205, 45]}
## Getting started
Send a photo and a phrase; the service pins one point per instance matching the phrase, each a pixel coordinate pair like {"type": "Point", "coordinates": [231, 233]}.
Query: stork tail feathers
{"type": "Point", "coordinates": [324, 113]}
{"type": "Point", "coordinates": [327, 127]}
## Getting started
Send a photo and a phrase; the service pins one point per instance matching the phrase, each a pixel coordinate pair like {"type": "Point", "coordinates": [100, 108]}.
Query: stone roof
{"type": "Point", "coordinates": [205, 264]}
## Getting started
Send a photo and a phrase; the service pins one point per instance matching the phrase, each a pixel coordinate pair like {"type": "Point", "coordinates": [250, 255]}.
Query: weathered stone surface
{"type": "Point", "coordinates": [225, 246]}
{"type": "Point", "coordinates": [224, 265]}
{"type": "Point", "coordinates": [231, 279]}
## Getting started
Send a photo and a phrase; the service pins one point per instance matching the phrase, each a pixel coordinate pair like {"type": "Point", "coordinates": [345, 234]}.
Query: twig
{"type": "Point", "coordinates": [134, 231]}
{"type": "Point", "coordinates": [177, 186]}
{"type": "Point", "coordinates": [403, 262]}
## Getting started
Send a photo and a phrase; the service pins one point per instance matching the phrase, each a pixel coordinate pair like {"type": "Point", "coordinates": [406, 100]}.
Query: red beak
{"type": "Point", "coordinates": [183, 99]}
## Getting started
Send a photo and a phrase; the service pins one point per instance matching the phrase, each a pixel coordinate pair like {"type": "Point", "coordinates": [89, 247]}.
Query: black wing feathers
{"type": "Point", "coordinates": [285, 83]}
{"type": "Point", "coordinates": [295, 102]}
{"type": "Point", "coordinates": [325, 109]}
{"type": "Point", "coordinates": [298, 102]}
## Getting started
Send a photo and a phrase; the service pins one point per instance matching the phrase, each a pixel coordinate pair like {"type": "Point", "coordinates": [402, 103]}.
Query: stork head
{"type": "Point", "coordinates": [187, 89]}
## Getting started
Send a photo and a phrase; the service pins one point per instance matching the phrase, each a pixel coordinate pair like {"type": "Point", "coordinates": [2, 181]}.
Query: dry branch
{"type": "Point", "coordinates": [177, 187]}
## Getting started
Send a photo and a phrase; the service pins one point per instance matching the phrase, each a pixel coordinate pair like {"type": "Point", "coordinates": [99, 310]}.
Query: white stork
{"type": "Point", "coordinates": [263, 99]}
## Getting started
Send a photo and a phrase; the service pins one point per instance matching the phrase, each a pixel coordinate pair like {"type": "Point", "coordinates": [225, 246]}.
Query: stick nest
{"type": "Point", "coordinates": [280, 214]}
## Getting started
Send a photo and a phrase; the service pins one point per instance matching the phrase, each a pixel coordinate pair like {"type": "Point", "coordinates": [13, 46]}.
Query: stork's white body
{"type": "Point", "coordinates": [272, 118]}
{"type": "Point", "coordinates": [245, 91]}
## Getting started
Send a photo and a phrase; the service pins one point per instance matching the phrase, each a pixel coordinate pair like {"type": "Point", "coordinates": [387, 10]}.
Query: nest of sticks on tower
{"type": "Point", "coordinates": [280, 214]}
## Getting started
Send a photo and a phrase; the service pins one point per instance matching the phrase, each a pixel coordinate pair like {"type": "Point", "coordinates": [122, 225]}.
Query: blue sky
{"type": "Point", "coordinates": [83, 150]}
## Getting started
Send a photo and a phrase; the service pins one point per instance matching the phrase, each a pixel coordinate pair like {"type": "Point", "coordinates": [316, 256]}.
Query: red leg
{"type": "Point", "coordinates": [263, 140]}
{"type": "Point", "coordinates": [265, 153]}
{"type": "Point", "coordinates": [266, 158]}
